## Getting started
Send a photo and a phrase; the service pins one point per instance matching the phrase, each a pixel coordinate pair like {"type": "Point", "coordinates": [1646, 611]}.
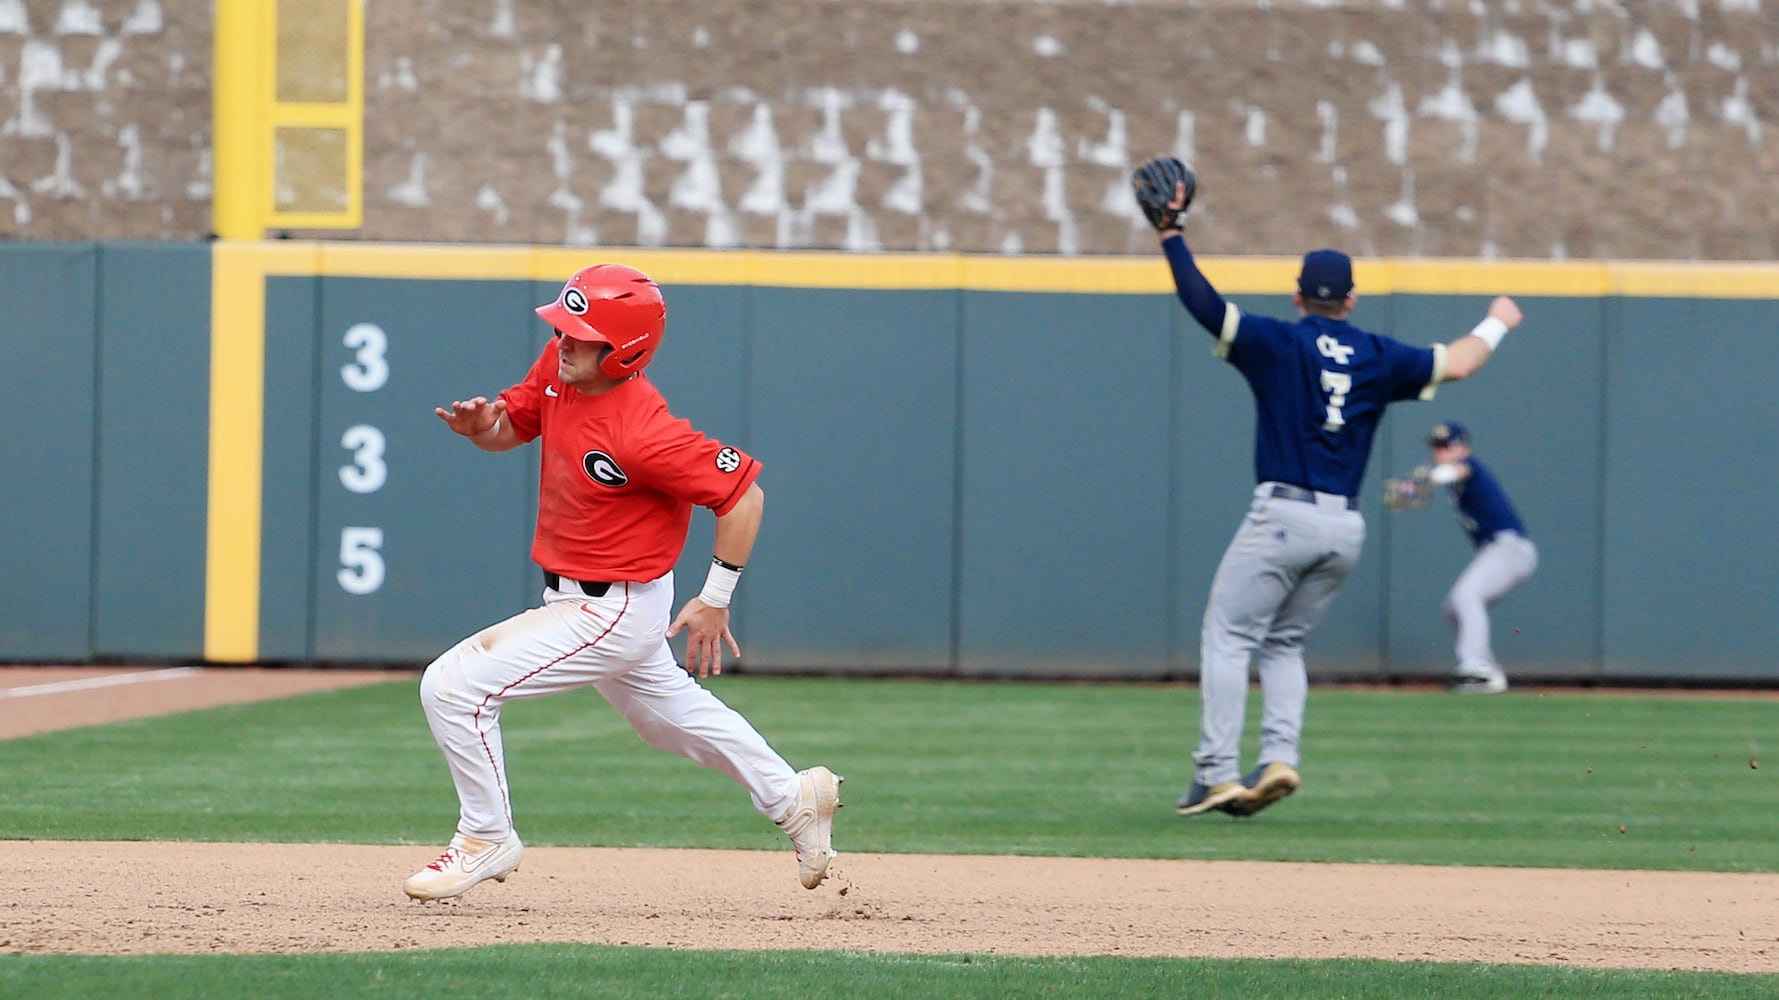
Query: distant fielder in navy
{"type": "Point", "coordinates": [1505, 556]}
{"type": "Point", "coordinates": [1320, 386]}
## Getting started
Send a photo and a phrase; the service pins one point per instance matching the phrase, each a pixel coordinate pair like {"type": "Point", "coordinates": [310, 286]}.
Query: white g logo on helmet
{"type": "Point", "coordinates": [574, 301]}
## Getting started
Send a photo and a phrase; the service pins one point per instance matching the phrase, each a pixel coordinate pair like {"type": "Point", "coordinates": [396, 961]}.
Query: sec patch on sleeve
{"type": "Point", "coordinates": [728, 460]}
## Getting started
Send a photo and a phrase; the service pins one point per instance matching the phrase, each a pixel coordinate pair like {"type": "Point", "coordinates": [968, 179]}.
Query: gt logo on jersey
{"type": "Point", "coordinates": [603, 469]}
{"type": "Point", "coordinates": [728, 460]}
{"type": "Point", "coordinates": [574, 301]}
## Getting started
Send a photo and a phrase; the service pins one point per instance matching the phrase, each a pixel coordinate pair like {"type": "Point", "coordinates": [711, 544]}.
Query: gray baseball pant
{"type": "Point", "coordinates": [1287, 561]}
{"type": "Point", "coordinates": [1501, 564]}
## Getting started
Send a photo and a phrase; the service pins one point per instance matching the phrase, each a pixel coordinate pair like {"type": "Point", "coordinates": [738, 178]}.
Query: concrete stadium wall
{"type": "Point", "coordinates": [976, 466]}
{"type": "Point", "coordinates": [1561, 129]}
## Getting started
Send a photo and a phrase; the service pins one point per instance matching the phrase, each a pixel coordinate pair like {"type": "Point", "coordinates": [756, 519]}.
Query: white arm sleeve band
{"type": "Point", "coordinates": [1438, 373]}
{"type": "Point", "coordinates": [1232, 319]}
{"type": "Point", "coordinates": [1490, 331]}
{"type": "Point", "coordinates": [719, 586]}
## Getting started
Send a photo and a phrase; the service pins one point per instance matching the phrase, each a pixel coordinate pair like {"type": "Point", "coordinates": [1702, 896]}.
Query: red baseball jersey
{"type": "Point", "coordinates": [620, 475]}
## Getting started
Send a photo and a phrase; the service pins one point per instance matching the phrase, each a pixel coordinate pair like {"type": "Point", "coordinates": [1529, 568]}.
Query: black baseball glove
{"type": "Point", "coordinates": [1156, 183]}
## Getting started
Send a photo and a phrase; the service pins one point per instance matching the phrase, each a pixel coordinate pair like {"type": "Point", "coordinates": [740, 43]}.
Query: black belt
{"type": "Point", "coordinates": [592, 588]}
{"type": "Point", "coordinates": [1286, 492]}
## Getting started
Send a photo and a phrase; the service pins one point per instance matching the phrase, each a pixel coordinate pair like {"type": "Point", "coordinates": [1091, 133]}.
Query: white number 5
{"type": "Point", "coordinates": [361, 562]}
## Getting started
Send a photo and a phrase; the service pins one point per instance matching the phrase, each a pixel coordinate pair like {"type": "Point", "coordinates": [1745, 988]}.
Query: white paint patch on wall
{"type": "Point", "coordinates": [400, 77]}
{"type": "Point", "coordinates": [1723, 57]}
{"type": "Point", "coordinates": [1046, 150]}
{"type": "Point", "coordinates": [896, 147]}
{"type": "Point", "coordinates": [540, 77]}
{"type": "Point", "coordinates": [59, 183]}
{"type": "Point", "coordinates": [412, 191]}
{"type": "Point", "coordinates": [501, 26]}
{"type": "Point", "coordinates": [1519, 104]}
{"type": "Point", "coordinates": [78, 17]}
{"type": "Point", "coordinates": [976, 198]}
{"type": "Point", "coordinates": [1738, 110]}
{"type": "Point", "coordinates": [1390, 109]}
{"type": "Point", "coordinates": [128, 183]}
{"type": "Point", "coordinates": [1329, 117]}
{"type": "Point", "coordinates": [1505, 49]}
{"type": "Point", "coordinates": [1254, 126]}
{"type": "Point", "coordinates": [40, 68]}
{"type": "Point", "coordinates": [758, 146]}
{"type": "Point", "coordinates": [1672, 115]}
{"type": "Point", "coordinates": [1597, 107]}
{"type": "Point", "coordinates": [21, 209]}
{"type": "Point", "coordinates": [1186, 136]}
{"type": "Point", "coordinates": [489, 200]}
{"type": "Point", "coordinates": [1403, 212]}
{"type": "Point", "coordinates": [1341, 212]}
{"type": "Point", "coordinates": [1646, 50]}
{"type": "Point", "coordinates": [144, 20]}
{"type": "Point", "coordinates": [1452, 104]}
{"type": "Point", "coordinates": [14, 20]}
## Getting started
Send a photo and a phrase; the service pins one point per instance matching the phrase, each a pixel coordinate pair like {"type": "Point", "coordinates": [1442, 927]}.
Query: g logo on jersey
{"type": "Point", "coordinates": [603, 469]}
{"type": "Point", "coordinates": [574, 301]}
{"type": "Point", "coordinates": [728, 460]}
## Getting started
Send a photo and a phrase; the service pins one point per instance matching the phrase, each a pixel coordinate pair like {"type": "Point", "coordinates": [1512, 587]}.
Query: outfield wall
{"type": "Point", "coordinates": [974, 465]}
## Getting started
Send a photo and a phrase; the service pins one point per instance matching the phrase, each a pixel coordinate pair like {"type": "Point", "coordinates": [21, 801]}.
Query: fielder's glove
{"type": "Point", "coordinates": [1156, 184]}
{"type": "Point", "coordinates": [1410, 492]}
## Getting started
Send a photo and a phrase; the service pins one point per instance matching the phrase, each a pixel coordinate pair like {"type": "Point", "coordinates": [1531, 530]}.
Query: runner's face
{"type": "Point", "coordinates": [577, 363]}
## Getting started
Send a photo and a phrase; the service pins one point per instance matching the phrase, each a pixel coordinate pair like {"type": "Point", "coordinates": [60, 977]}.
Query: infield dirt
{"type": "Point", "coordinates": [139, 898]}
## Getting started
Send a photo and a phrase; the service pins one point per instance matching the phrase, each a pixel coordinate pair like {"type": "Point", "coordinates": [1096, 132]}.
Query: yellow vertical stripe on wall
{"type": "Point", "coordinates": [239, 96]}
{"type": "Point", "coordinates": [237, 419]}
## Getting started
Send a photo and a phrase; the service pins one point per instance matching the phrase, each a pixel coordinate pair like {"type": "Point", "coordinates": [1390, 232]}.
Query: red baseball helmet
{"type": "Point", "coordinates": [616, 305]}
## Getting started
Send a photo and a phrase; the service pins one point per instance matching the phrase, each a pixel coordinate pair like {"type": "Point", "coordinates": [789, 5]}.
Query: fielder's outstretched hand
{"type": "Point", "coordinates": [707, 629]}
{"type": "Point", "coordinates": [1506, 310]}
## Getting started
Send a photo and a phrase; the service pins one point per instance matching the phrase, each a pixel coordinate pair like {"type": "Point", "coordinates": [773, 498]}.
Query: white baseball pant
{"type": "Point", "coordinates": [616, 643]}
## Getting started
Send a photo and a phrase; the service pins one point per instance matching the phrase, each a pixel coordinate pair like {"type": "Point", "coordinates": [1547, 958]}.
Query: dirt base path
{"type": "Point", "coordinates": [133, 898]}
{"type": "Point", "coordinates": [139, 898]}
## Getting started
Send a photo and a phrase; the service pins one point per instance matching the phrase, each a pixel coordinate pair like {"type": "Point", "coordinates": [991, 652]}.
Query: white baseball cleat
{"type": "Point", "coordinates": [810, 824]}
{"type": "Point", "coordinates": [465, 863]}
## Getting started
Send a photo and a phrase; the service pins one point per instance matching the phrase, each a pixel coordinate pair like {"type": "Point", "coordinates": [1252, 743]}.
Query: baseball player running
{"type": "Point", "coordinates": [1320, 386]}
{"type": "Point", "coordinates": [619, 477]}
{"type": "Point", "coordinates": [1505, 556]}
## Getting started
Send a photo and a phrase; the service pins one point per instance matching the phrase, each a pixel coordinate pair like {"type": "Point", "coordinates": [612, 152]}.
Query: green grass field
{"type": "Point", "coordinates": [1529, 779]}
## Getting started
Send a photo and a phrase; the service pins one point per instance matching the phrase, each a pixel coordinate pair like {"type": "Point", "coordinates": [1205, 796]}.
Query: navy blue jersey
{"type": "Point", "coordinates": [1482, 505]}
{"type": "Point", "coordinates": [1320, 387]}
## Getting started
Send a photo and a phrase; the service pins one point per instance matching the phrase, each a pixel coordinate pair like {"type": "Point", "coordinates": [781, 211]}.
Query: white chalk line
{"type": "Point", "coordinates": [92, 683]}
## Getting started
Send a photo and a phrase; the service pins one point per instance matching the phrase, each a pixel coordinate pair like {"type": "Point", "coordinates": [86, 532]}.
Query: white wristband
{"type": "Point", "coordinates": [1490, 331]}
{"type": "Point", "coordinates": [719, 586]}
{"type": "Point", "coordinates": [490, 434]}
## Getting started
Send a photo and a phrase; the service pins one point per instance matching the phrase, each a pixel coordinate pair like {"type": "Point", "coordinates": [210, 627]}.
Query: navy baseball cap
{"type": "Point", "coordinates": [1449, 433]}
{"type": "Point", "coordinates": [1327, 275]}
